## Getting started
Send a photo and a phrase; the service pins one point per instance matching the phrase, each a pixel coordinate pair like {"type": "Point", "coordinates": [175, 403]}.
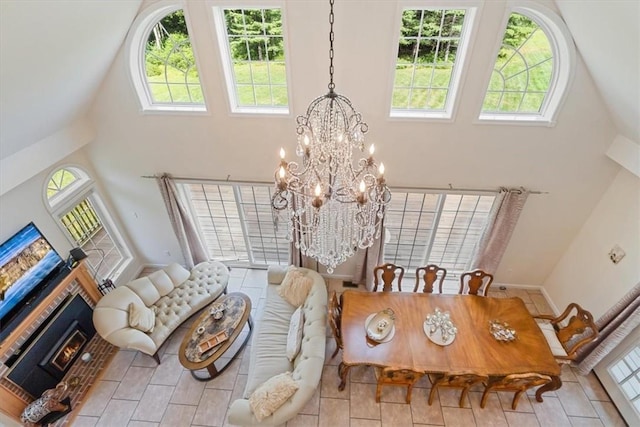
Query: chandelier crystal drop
{"type": "Point", "coordinates": [333, 204]}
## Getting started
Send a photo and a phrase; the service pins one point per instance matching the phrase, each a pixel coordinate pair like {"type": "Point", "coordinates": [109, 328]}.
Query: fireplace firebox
{"type": "Point", "coordinates": [65, 351]}
{"type": "Point", "coordinates": [47, 359]}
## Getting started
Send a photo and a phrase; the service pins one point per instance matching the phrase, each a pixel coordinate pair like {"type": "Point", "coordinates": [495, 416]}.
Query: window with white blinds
{"type": "Point", "coordinates": [428, 228]}
{"type": "Point", "coordinates": [237, 223]}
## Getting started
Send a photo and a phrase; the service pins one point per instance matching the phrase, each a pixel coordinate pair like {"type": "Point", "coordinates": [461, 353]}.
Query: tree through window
{"type": "Point", "coordinates": [430, 48]}
{"type": "Point", "coordinates": [523, 70]}
{"type": "Point", "coordinates": [170, 67]}
{"type": "Point", "coordinates": [533, 67]}
{"type": "Point", "coordinates": [253, 49]}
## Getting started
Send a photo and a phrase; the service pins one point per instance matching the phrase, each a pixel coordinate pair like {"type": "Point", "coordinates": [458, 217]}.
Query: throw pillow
{"type": "Point", "coordinates": [272, 394]}
{"type": "Point", "coordinates": [295, 287]}
{"type": "Point", "coordinates": [294, 338]}
{"type": "Point", "coordinates": [141, 317]}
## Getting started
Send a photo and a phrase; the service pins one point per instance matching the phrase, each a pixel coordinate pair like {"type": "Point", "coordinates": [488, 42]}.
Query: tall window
{"type": "Point", "coordinates": [442, 229]}
{"type": "Point", "coordinates": [532, 68]}
{"type": "Point", "coordinates": [254, 59]}
{"type": "Point", "coordinates": [430, 52]}
{"type": "Point", "coordinates": [162, 61]}
{"type": "Point", "coordinates": [237, 223]}
{"type": "Point", "coordinates": [80, 212]}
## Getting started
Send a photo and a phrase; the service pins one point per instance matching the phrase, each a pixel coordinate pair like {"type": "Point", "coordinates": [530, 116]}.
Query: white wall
{"type": "Point", "coordinates": [566, 160]}
{"type": "Point", "coordinates": [585, 274]}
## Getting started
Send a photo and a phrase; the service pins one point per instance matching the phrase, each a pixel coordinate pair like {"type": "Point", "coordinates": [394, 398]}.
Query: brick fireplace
{"type": "Point", "coordinates": [79, 284]}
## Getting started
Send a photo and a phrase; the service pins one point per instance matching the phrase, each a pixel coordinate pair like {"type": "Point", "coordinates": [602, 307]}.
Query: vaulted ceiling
{"type": "Point", "coordinates": [55, 55]}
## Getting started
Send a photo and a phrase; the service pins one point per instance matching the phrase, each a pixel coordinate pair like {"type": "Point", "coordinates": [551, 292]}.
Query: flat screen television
{"type": "Point", "coordinates": [28, 267]}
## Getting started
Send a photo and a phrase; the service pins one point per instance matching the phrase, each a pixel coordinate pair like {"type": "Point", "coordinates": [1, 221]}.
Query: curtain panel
{"type": "Point", "coordinates": [193, 249]}
{"type": "Point", "coordinates": [613, 327]}
{"type": "Point", "coordinates": [502, 221]}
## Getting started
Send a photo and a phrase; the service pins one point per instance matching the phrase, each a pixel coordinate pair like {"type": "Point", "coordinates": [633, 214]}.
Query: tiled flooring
{"type": "Point", "coordinates": [134, 391]}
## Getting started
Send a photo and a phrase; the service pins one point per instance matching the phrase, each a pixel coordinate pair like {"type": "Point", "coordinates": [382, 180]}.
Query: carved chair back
{"type": "Point", "coordinates": [574, 333]}
{"type": "Point", "coordinates": [475, 282]}
{"type": "Point", "coordinates": [387, 274]}
{"type": "Point", "coordinates": [429, 275]}
{"type": "Point", "coordinates": [514, 382]}
{"type": "Point", "coordinates": [398, 377]}
{"type": "Point", "coordinates": [462, 380]}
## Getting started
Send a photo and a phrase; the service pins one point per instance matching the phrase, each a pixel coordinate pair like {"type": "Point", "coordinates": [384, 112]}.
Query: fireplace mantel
{"type": "Point", "coordinates": [12, 403]}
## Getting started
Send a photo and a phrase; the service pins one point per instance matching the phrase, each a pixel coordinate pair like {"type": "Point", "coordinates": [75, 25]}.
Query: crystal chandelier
{"type": "Point", "coordinates": [334, 205]}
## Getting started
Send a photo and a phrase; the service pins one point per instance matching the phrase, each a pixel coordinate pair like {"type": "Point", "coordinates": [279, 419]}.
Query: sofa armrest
{"type": "Point", "coordinates": [211, 274]}
{"type": "Point", "coordinates": [240, 412]}
{"type": "Point", "coordinates": [113, 326]}
{"type": "Point", "coordinates": [276, 273]}
{"type": "Point", "coordinates": [135, 340]}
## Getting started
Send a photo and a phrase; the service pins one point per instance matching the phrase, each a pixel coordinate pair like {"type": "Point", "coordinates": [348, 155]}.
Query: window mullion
{"type": "Point", "coordinates": [434, 227]}
{"type": "Point", "coordinates": [243, 224]}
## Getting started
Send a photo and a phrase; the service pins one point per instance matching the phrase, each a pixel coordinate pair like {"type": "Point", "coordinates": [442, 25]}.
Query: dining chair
{"type": "Point", "coordinates": [397, 377]}
{"type": "Point", "coordinates": [514, 382]}
{"type": "Point", "coordinates": [459, 380]}
{"type": "Point", "coordinates": [475, 282]}
{"type": "Point", "coordinates": [335, 317]}
{"type": "Point", "coordinates": [429, 275]}
{"type": "Point", "coordinates": [387, 273]}
{"type": "Point", "coordinates": [566, 338]}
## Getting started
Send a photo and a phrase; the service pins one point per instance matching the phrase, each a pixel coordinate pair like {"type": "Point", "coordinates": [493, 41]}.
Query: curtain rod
{"type": "Point", "coordinates": [450, 188]}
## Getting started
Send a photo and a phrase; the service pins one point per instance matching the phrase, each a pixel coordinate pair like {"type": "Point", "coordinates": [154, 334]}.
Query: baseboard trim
{"type": "Point", "coordinates": [517, 286]}
{"type": "Point", "coordinates": [554, 307]}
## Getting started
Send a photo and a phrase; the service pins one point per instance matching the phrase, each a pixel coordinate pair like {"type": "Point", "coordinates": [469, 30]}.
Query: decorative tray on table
{"type": "Point", "coordinates": [501, 331]}
{"type": "Point", "coordinates": [380, 326]}
{"type": "Point", "coordinates": [439, 328]}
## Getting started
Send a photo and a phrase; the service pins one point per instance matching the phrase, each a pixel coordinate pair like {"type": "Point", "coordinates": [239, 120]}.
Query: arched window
{"type": "Point", "coordinates": [532, 69]}
{"type": "Point", "coordinates": [162, 61]}
{"type": "Point", "coordinates": [77, 208]}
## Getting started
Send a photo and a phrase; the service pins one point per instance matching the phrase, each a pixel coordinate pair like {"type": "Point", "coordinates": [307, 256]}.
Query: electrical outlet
{"type": "Point", "coordinates": [616, 254]}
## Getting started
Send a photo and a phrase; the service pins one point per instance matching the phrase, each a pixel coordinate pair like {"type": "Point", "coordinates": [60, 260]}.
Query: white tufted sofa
{"type": "Point", "coordinates": [268, 350]}
{"type": "Point", "coordinates": [176, 294]}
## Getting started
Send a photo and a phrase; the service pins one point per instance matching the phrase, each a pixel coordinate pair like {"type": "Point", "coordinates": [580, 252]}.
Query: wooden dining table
{"type": "Point", "coordinates": [474, 349]}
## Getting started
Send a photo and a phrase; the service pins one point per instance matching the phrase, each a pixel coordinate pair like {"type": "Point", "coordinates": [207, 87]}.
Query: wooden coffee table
{"type": "Point", "coordinates": [236, 314]}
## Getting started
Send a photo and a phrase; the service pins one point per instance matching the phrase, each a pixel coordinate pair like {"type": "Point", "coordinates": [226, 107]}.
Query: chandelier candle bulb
{"type": "Point", "coordinates": [282, 183]}
{"type": "Point", "coordinates": [362, 197]}
{"type": "Point", "coordinates": [317, 201]}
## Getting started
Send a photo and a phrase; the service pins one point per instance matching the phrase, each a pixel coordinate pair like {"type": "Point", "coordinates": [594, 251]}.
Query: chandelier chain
{"type": "Point", "coordinates": [332, 85]}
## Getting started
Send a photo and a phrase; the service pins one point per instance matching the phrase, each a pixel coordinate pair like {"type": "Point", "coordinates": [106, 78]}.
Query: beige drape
{"type": "Point", "coordinates": [185, 230]}
{"type": "Point", "coordinates": [613, 327]}
{"type": "Point", "coordinates": [367, 259]}
{"type": "Point", "coordinates": [501, 223]}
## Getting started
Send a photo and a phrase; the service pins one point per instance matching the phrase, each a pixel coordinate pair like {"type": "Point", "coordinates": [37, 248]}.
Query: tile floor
{"type": "Point", "coordinates": [136, 392]}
